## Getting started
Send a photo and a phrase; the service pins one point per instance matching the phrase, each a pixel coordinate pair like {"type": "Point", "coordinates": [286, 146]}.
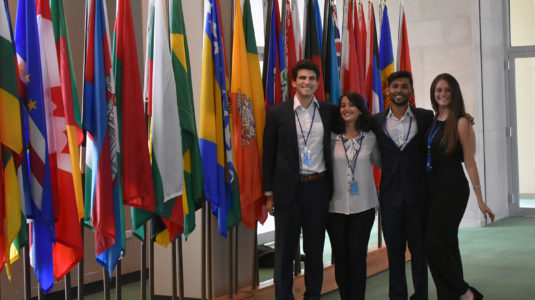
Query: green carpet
{"type": "Point", "coordinates": [499, 260]}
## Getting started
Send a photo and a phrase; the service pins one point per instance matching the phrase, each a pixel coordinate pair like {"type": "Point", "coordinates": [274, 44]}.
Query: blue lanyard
{"type": "Point", "coordinates": [355, 156]}
{"type": "Point", "coordinates": [430, 138]}
{"type": "Point", "coordinates": [432, 134]}
{"type": "Point", "coordinates": [406, 138]}
{"type": "Point", "coordinates": [311, 123]}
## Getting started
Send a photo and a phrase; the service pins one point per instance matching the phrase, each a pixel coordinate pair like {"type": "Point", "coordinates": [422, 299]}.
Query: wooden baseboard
{"type": "Point", "coordinates": [377, 261]}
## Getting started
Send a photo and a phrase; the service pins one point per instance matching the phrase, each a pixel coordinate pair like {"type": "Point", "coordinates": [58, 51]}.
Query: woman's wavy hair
{"type": "Point", "coordinates": [456, 110]}
{"type": "Point", "coordinates": [364, 122]}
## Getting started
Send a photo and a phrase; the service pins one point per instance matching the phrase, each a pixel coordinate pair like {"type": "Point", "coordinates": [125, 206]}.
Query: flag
{"type": "Point", "coordinates": [297, 31]}
{"type": "Point", "coordinates": [273, 77]}
{"type": "Point", "coordinates": [337, 38]}
{"type": "Point", "coordinates": [214, 133]}
{"type": "Point", "coordinates": [386, 57]}
{"type": "Point", "coordinates": [68, 249]}
{"type": "Point", "coordinates": [138, 188]}
{"type": "Point", "coordinates": [69, 95]}
{"type": "Point", "coordinates": [373, 92]}
{"type": "Point", "coordinates": [317, 18]}
{"type": "Point", "coordinates": [245, 134]}
{"type": "Point", "coordinates": [193, 172]}
{"type": "Point", "coordinates": [42, 227]}
{"type": "Point", "coordinates": [330, 61]}
{"type": "Point", "coordinates": [350, 69]}
{"type": "Point", "coordinates": [359, 29]}
{"type": "Point", "coordinates": [165, 140]}
{"type": "Point", "coordinates": [312, 45]}
{"type": "Point", "coordinates": [292, 48]}
{"type": "Point", "coordinates": [403, 62]}
{"type": "Point", "coordinates": [10, 142]}
{"type": "Point", "coordinates": [281, 49]}
{"type": "Point", "coordinates": [103, 200]}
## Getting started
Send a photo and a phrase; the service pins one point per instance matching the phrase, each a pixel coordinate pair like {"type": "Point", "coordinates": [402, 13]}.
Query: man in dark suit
{"type": "Point", "coordinates": [401, 131]}
{"type": "Point", "coordinates": [297, 179]}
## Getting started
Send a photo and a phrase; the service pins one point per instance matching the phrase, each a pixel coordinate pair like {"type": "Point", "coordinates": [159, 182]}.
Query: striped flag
{"type": "Point", "coordinates": [193, 172]}
{"type": "Point", "coordinates": [373, 92]}
{"type": "Point", "coordinates": [138, 188]}
{"type": "Point", "coordinates": [68, 249]}
{"type": "Point", "coordinates": [42, 210]}
{"type": "Point", "coordinates": [10, 143]}
{"type": "Point", "coordinates": [165, 140]}
{"type": "Point", "coordinates": [330, 61]}
{"type": "Point", "coordinates": [386, 57]}
{"type": "Point", "coordinates": [103, 201]}
{"type": "Point", "coordinates": [403, 62]}
{"type": "Point", "coordinates": [313, 45]}
{"type": "Point", "coordinates": [317, 19]}
{"type": "Point", "coordinates": [214, 132]}
{"type": "Point", "coordinates": [245, 134]}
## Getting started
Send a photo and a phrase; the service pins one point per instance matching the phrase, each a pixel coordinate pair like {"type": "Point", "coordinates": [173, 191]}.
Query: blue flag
{"type": "Point", "coordinates": [332, 77]}
{"type": "Point", "coordinates": [41, 204]}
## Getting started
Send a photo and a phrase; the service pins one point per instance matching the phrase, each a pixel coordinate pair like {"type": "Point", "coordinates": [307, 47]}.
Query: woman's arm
{"type": "Point", "coordinates": [468, 143]}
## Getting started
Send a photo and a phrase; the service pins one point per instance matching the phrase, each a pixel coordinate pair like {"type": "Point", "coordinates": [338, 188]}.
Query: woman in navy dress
{"type": "Point", "coordinates": [450, 142]}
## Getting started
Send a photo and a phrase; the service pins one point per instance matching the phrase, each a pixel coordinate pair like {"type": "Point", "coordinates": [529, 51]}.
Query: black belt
{"type": "Point", "coordinates": [311, 177]}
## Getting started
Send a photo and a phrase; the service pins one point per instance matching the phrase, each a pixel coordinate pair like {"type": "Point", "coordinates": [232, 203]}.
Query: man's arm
{"type": "Point", "coordinates": [269, 159]}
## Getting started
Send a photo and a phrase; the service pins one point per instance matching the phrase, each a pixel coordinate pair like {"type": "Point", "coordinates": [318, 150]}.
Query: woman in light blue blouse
{"type": "Point", "coordinates": [352, 207]}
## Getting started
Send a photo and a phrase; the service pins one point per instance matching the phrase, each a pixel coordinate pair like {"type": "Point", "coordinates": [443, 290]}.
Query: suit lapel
{"type": "Point", "coordinates": [292, 130]}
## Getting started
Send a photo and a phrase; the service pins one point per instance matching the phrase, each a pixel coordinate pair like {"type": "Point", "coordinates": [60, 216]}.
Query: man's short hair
{"type": "Point", "coordinates": [400, 74]}
{"type": "Point", "coordinates": [305, 64]}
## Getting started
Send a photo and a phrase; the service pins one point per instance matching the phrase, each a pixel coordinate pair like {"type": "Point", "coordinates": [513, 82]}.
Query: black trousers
{"type": "Point", "coordinates": [445, 211]}
{"type": "Point", "coordinates": [309, 212]}
{"type": "Point", "coordinates": [349, 236]}
{"type": "Point", "coordinates": [402, 226]}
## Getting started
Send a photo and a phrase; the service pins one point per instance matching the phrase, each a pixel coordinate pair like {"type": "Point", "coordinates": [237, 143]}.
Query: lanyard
{"type": "Point", "coordinates": [430, 138]}
{"type": "Point", "coordinates": [311, 123]}
{"type": "Point", "coordinates": [432, 134]}
{"type": "Point", "coordinates": [406, 138]}
{"type": "Point", "coordinates": [355, 156]}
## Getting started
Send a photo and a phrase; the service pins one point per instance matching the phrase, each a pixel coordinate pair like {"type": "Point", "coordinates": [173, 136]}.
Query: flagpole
{"type": "Point", "coordinates": [180, 269]}
{"type": "Point", "coordinates": [209, 249]}
{"type": "Point", "coordinates": [143, 275]}
{"type": "Point", "coordinates": [173, 270]}
{"type": "Point", "coordinates": [230, 236]}
{"type": "Point", "coordinates": [118, 281]}
{"type": "Point", "coordinates": [151, 264]}
{"type": "Point", "coordinates": [106, 279]}
{"type": "Point", "coordinates": [203, 251]}
{"type": "Point", "coordinates": [81, 263]}
{"type": "Point", "coordinates": [254, 281]}
{"type": "Point", "coordinates": [27, 279]}
{"type": "Point", "coordinates": [68, 286]}
{"type": "Point", "coordinates": [235, 259]}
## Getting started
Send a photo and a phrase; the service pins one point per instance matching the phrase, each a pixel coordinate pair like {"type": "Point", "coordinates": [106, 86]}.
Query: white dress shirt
{"type": "Point", "coordinates": [342, 201]}
{"type": "Point", "coordinates": [314, 143]}
{"type": "Point", "coordinates": [398, 129]}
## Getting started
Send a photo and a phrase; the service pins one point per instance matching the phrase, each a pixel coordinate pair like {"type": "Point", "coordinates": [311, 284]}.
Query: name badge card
{"type": "Point", "coordinates": [305, 157]}
{"type": "Point", "coordinates": [353, 187]}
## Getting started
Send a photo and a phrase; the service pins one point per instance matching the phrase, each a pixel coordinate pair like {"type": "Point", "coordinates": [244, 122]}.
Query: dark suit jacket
{"type": "Point", "coordinates": [280, 161]}
{"type": "Point", "coordinates": [403, 177]}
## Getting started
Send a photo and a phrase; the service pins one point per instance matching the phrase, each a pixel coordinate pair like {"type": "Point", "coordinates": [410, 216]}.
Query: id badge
{"type": "Point", "coordinates": [353, 187]}
{"type": "Point", "coordinates": [305, 157]}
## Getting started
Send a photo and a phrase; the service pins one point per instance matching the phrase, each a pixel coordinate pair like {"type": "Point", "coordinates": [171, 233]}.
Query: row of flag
{"type": "Point", "coordinates": [42, 127]}
{"type": "Point", "coordinates": [351, 57]}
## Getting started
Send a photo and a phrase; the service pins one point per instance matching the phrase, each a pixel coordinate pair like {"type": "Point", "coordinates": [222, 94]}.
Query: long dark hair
{"type": "Point", "coordinates": [364, 122]}
{"type": "Point", "coordinates": [456, 110]}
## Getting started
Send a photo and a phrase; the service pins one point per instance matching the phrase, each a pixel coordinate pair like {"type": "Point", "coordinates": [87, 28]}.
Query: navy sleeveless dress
{"type": "Point", "coordinates": [449, 192]}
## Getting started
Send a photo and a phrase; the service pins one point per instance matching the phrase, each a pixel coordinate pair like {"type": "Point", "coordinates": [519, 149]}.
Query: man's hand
{"type": "Point", "coordinates": [270, 204]}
